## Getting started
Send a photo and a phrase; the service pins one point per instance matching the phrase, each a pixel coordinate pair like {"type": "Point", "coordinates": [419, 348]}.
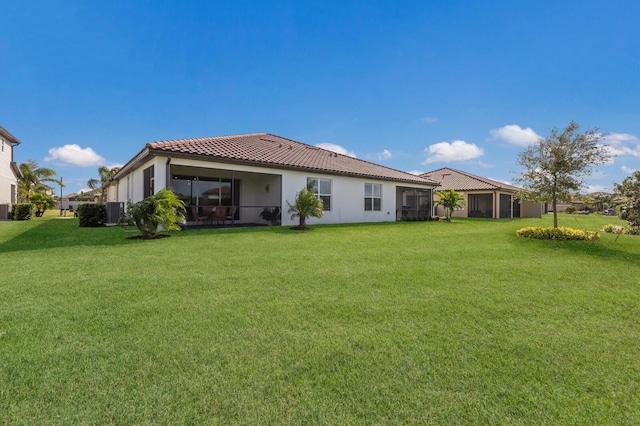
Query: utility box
{"type": "Point", "coordinates": [115, 212]}
{"type": "Point", "coordinates": [4, 211]}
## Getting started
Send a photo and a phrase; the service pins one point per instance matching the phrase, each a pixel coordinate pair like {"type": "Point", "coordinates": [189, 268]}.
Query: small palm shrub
{"type": "Point", "coordinates": [163, 208]}
{"type": "Point", "coordinates": [305, 205]}
{"type": "Point", "coordinates": [561, 233]}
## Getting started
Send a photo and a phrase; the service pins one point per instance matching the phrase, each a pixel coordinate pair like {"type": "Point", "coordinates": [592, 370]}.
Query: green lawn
{"type": "Point", "coordinates": [403, 323]}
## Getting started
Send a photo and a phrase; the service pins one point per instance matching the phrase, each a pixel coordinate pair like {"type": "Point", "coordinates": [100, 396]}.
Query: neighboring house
{"type": "Point", "coordinates": [483, 197]}
{"type": "Point", "coordinates": [73, 200]}
{"type": "Point", "coordinates": [256, 171]}
{"type": "Point", "coordinates": [562, 206]}
{"type": "Point", "coordinates": [9, 172]}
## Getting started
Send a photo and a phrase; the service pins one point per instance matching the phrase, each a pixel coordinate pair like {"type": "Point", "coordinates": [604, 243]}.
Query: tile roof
{"type": "Point", "coordinates": [270, 150]}
{"type": "Point", "coordinates": [463, 181]}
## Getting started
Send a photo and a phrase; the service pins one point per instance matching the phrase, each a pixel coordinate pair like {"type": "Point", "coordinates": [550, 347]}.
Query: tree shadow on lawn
{"type": "Point", "coordinates": [600, 249]}
{"type": "Point", "coordinates": [55, 233]}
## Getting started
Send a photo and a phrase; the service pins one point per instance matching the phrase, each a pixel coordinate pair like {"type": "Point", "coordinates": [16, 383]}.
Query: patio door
{"type": "Point", "coordinates": [203, 191]}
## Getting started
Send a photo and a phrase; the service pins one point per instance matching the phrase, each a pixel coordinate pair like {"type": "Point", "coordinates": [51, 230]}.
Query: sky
{"type": "Point", "coordinates": [411, 85]}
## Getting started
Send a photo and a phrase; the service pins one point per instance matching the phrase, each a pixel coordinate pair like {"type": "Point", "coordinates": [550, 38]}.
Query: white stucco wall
{"type": "Point", "coordinates": [260, 186]}
{"type": "Point", "coordinates": [7, 178]}
{"type": "Point", "coordinates": [347, 199]}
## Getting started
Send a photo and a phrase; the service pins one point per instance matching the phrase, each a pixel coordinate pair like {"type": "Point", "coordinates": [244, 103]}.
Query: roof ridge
{"type": "Point", "coordinates": [481, 179]}
{"type": "Point", "coordinates": [209, 137]}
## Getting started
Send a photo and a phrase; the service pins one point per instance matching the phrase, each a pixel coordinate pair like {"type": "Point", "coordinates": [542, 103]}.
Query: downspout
{"type": "Point", "coordinates": [167, 182]}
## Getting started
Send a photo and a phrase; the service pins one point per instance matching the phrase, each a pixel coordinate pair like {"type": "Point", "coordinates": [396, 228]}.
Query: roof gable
{"type": "Point", "coordinates": [462, 181]}
{"type": "Point", "coordinates": [266, 149]}
{"type": "Point", "coordinates": [8, 136]}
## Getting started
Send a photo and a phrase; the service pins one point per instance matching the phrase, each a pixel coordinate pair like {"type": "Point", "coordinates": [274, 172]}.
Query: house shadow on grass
{"type": "Point", "coordinates": [56, 233]}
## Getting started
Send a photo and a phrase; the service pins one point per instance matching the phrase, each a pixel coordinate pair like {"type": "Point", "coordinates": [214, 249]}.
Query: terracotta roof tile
{"type": "Point", "coordinates": [463, 181]}
{"type": "Point", "coordinates": [271, 150]}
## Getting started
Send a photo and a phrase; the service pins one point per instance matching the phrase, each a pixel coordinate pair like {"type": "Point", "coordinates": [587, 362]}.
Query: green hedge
{"type": "Point", "coordinates": [557, 233]}
{"type": "Point", "coordinates": [92, 215]}
{"type": "Point", "coordinates": [23, 211]}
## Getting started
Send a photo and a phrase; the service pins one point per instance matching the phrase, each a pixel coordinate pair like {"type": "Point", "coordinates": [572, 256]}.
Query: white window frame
{"type": "Point", "coordinates": [370, 195]}
{"type": "Point", "coordinates": [318, 191]}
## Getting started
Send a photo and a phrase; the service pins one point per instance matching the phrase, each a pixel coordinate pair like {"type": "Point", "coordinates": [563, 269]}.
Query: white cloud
{"type": "Point", "coordinates": [416, 172]}
{"type": "Point", "coordinates": [384, 155]}
{"type": "Point", "coordinates": [597, 188]}
{"type": "Point", "coordinates": [628, 170]}
{"type": "Point", "coordinates": [615, 143]}
{"type": "Point", "coordinates": [514, 134]}
{"type": "Point", "coordinates": [429, 120]}
{"type": "Point", "coordinates": [336, 148]}
{"type": "Point", "coordinates": [74, 154]}
{"type": "Point", "coordinates": [455, 151]}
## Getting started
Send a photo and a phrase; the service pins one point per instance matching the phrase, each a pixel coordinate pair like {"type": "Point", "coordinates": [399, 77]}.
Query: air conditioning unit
{"type": "Point", "coordinates": [115, 212]}
{"type": "Point", "coordinates": [4, 211]}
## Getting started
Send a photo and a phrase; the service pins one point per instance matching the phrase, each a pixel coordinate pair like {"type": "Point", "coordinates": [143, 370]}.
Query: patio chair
{"type": "Point", "coordinates": [232, 213]}
{"type": "Point", "coordinates": [220, 214]}
{"type": "Point", "coordinates": [197, 217]}
{"type": "Point", "coordinates": [207, 211]}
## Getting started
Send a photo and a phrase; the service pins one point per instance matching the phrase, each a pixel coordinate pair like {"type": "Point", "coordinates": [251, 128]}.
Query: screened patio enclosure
{"type": "Point", "coordinates": [413, 202]}
{"type": "Point", "coordinates": [203, 189]}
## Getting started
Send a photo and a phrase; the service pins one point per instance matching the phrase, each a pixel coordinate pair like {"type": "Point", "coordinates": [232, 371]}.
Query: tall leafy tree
{"type": "Point", "coordinates": [306, 204]}
{"type": "Point", "coordinates": [33, 179]}
{"type": "Point", "coordinates": [451, 200]}
{"type": "Point", "coordinates": [556, 166]}
{"type": "Point", "coordinates": [630, 190]}
{"type": "Point", "coordinates": [105, 174]}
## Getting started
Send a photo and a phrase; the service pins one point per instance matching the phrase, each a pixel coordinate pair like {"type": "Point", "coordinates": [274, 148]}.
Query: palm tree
{"type": "Point", "coordinates": [33, 179]}
{"type": "Point", "coordinates": [306, 205]}
{"type": "Point", "coordinates": [163, 208]}
{"type": "Point", "coordinates": [105, 174]}
{"type": "Point", "coordinates": [451, 200]}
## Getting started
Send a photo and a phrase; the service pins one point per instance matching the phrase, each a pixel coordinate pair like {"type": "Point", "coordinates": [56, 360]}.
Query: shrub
{"type": "Point", "coordinates": [92, 215]}
{"type": "Point", "coordinates": [557, 233]}
{"type": "Point", "coordinates": [161, 209]}
{"type": "Point", "coordinates": [271, 215]}
{"type": "Point", "coordinates": [23, 211]}
{"type": "Point", "coordinates": [633, 230]}
{"type": "Point", "coordinates": [306, 205]}
{"type": "Point", "coordinates": [570, 210]}
{"type": "Point", "coordinates": [614, 229]}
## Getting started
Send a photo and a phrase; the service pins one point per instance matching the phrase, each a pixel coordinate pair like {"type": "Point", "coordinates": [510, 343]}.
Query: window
{"type": "Point", "coordinates": [372, 197]}
{"type": "Point", "coordinates": [322, 189]}
{"type": "Point", "coordinates": [148, 181]}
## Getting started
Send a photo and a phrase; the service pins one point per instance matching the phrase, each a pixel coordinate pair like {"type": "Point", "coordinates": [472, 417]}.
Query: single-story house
{"type": "Point", "coordinates": [483, 197]}
{"type": "Point", "coordinates": [249, 173]}
{"type": "Point", "coordinates": [9, 172]}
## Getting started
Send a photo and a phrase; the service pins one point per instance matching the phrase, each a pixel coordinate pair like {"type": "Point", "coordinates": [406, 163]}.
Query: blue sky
{"type": "Point", "coordinates": [412, 85]}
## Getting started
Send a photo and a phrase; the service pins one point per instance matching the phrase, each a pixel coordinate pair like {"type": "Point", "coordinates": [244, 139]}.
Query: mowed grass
{"type": "Point", "coordinates": [402, 323]}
